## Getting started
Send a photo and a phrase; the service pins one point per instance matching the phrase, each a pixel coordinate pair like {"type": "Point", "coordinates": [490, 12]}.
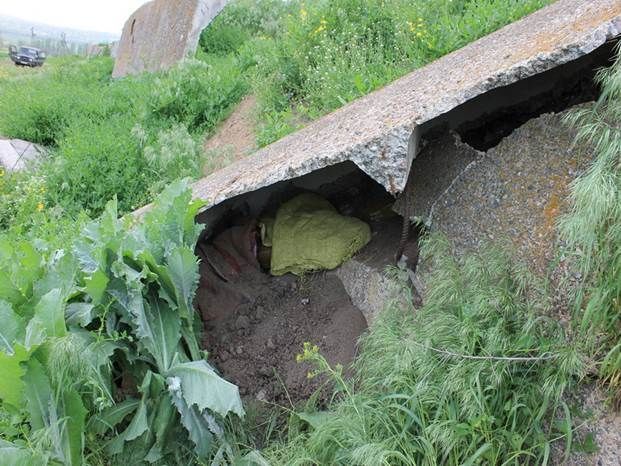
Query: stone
{"type": "Point", "coordinates": [16, 153]}
{"type": "Point", "coordinates": [270, 344]}
{"type": "Point", "coordinates": [265, 371]}
{"type": "Point", "coordinates": [374, 131]}
{"type": "Point", "coordinates": [261, 396]}
{"type": "Point", "coordinates": [242, 323]}
{"type": "Point", "coordinates": [161, 33]}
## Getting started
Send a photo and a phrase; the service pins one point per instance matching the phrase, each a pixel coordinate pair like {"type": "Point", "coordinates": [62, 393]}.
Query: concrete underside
{"type": "Point", "coordinates": [374, 132]}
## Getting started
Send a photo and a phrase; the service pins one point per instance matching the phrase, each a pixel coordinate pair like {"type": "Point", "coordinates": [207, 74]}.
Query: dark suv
{"type": "Point", "coordinates": [26, 56]}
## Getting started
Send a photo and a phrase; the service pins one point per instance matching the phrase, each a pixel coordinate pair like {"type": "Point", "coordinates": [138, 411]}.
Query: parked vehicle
{"type": "Point", "coordinates": [27, 56]}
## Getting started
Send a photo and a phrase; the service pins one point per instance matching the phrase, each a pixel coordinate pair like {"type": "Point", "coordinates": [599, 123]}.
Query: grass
{"type": "Point", "coordinates": [317, 56]}
{"type": "Point", "coordinates": [94, 125]}
{"type": "Point", "coordinates": [473, 377]}
{"type": "Point", "coordinates": [593, 230]}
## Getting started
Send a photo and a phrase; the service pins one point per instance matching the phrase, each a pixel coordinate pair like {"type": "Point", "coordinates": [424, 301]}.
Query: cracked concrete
{"type": "Point", "coordinates": [374, 131]}
{"type": "Point", "coordinates": [161, 33]}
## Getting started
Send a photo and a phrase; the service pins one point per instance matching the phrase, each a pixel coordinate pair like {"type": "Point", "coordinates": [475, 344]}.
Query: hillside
{"type": "Point", "coordinates": [167, 335]}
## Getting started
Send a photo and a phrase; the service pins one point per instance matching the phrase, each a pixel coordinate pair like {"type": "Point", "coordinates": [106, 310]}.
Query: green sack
{"type": "Point", "coordinates": [309, 234]}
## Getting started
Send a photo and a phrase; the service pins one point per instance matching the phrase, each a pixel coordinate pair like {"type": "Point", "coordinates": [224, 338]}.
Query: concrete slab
{"type": "Point", "coordinates": [161, 33]}
{"type": "Point", "coordinates": [15, 153]}
{"type": "Point", "coordinates": [374, 131]}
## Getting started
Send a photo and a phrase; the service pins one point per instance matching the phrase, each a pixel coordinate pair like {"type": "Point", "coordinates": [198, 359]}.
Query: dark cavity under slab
{"type": "Point", "coordinates": [487, 119]}
{"type": "Point", "coordinates": [255, 324]}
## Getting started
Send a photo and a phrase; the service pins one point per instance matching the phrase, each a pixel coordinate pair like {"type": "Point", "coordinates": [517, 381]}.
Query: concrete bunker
{"type": "Point", "coordinates": [259, 313]}
{"type": "Point", "coordinates": [465, 105]}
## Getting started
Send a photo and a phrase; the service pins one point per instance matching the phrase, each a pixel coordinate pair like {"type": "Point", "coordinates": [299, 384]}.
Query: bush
{"type": "Point", "coordinates": [195, 94]}
{"type": "Point", "coordinates": [333, 51]}
{"type": "Point", "coordinates": [39, 108]}
{"type": "Point", "coordinates": [174, 155]}
{"type": "Point", "coordinates": [95, 161]}
{"type": "Point", "coordinates": [87, 118]}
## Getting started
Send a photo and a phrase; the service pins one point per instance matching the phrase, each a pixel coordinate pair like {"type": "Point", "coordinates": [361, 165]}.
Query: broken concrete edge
{"type": "Point", "coordinates": [379, 145]}
{"type": "Point", "coordinates": [16, 153]}
{"type": "Point", "coordinates": [374, 131]}
{"type": "Point", "coordinates": [370, 290]}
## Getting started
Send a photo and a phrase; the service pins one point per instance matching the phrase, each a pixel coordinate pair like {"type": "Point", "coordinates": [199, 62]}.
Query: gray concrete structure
{"type": "Point", "coordinates": [16, 153]}
{"type": "Point", "coordinates": [161, 33]}
{"type": "Point", "coordinates": [374, 131]}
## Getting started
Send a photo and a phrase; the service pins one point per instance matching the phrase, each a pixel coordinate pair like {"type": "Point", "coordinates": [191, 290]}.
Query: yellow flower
{"type": "Point", "coordinates": [303, 13]}
{"type": "Point", "coordinates": [40, 206]}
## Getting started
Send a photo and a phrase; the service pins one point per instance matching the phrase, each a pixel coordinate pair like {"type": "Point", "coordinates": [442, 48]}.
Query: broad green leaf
{"type": "Point", "coordinates": [139, 423]}
{"type": "Point", "coordinates": [158, 328]}
{"type": "Point", "coordinates": [199, 425]}
{"type": "Point", "coordinates": [79, 314]}
{"type": "Point", "coordinates": [315, 420]}
{"type": "Point", "coordinates": [95, 286]}
{"type": "Point", "coordinates": [11, 327]}
{"type": "Point", "coordinates": [201, 386]}
{"type": "Point", "coordinates": [106, 420]}
{"type": "Point", "coordinates": [183, 268]}
{"type": "Point", "coordinates": [60, 272]}
{"type": "Point", "coordinates": [38, 394]}
{"type": "Point", "coordinates": [20, 266]}
{"type": "Point", "coordinates": [12, 371]}
{"type": "Point", "coordinates": [8, 290]}
{"type": "Point", "coordinates": [160, 425]}
{"type": "Point", "coordinates": [14, 455]}
{"type": "Point", "coordinates": [74, 414]}
{"type": "Point", "coordinates": [50, 313]}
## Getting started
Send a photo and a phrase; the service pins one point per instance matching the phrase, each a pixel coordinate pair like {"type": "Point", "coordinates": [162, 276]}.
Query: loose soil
{"type": "Point", "coordinates": [255, 347]}
{"type": "Point", "coordinates": [236, 136]}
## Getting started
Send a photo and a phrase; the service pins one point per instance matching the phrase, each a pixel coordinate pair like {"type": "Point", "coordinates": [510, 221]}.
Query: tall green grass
{"type": "Point", "coordinates": [593, 229]}
{"type": "Point", "coordinates": [474, 377]}
{"type": "Point", "coordinates": [99, 129]}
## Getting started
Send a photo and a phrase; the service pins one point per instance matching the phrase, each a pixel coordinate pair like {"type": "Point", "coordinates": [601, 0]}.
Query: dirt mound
{"type": "Point", "coordinates": [255, 347]}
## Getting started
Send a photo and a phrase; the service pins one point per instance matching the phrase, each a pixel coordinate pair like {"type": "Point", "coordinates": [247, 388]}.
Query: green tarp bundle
{"type": "Point", "coordinates": [309, 234]}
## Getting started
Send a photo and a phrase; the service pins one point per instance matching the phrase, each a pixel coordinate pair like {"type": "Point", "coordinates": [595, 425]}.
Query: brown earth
{"type": "Point", "coordinates": [255, 347]}
{"type": "Point", "coordinates": [236, 135]}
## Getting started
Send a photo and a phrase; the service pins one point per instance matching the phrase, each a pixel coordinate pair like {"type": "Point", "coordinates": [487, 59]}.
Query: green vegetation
{"type": "Point", "coordinates": [593, 229]}
{"type": "Point", "coordinates": [473, 377]}
{"type": "Point", "coordinates": [103, 331]}
{"type": "Point", "coordinates": [317, 56]}
{"type": "Point", "coordinates": [95, 125]}
{"type": "Point", "coordinates": [99, 349]}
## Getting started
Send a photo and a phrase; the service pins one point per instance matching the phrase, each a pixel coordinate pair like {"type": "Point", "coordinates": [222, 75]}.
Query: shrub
{"type": "Point", "coordinates": [39, 108]}
{"type": "Point", "coordinates": [195, 94]}
{"type": "Point", "coordinates": [99, 354]}
{"type": "Point", "coordinates": [174, 155]}
{"type": "Point", "coordinates": [95, 161]}
{"type": "Point", "coordinates": [331, 52]}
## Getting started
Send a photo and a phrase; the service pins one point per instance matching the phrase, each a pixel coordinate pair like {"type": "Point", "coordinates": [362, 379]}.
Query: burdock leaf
{"type": "Point", "coordinates": [201, 386]}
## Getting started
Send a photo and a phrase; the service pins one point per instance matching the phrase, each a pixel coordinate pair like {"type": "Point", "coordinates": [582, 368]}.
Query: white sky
{"type": "Point", "coordinates": [90, 15]}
